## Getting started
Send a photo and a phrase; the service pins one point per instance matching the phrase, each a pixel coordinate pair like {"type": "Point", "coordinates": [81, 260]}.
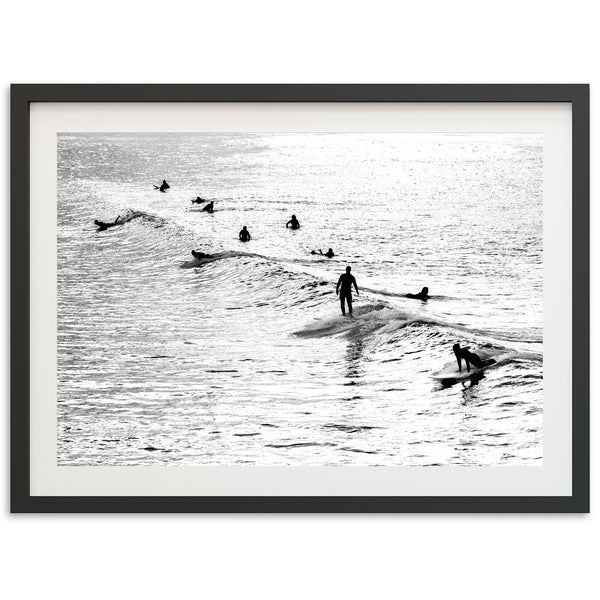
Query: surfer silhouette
{"type": "Point", "coordinates": [198, 200]}
{"type": "Point", "coordinates": [293, 222]}
{"type": "Point", "coordinates": [163, 186]}
{"type": "Point", "coordinates": [198, 254]}
{"type": "Point", "coordinates": [244, 235]}
{"type": "Point", "coordinates": [102, 226]}
{"type": "Point", "coordinates": [344, 289]}
{"type": "Point", "coordinates": [470, 358]}
{"type": "Point", "coordinates": [210, 207]}
{"type": "Point", "coordinates": [422, 295]}
{"type": "Point", "coordinates": [328, 254]}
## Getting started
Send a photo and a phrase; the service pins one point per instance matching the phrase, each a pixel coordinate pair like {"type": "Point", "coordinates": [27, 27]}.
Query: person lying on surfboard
{"type": "Point", "coordinates": [198, 200]}
{"type": "Point", "coordinates": [470, 358]}
{"type": "Point", "coordinates": [422, 295]}
{"type": "Point", "coordinates": [198, 254]}
{"type": "Point", "coordinates": [163, 186]}
{"type": "Point", "coordinates": [328, 254]}
{"type": "Point", "coordinates": [102, 226]}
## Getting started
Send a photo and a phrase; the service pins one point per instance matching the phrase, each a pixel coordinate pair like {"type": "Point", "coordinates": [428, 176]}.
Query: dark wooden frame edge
{"type": "Point", "coordinates": [22, 95]}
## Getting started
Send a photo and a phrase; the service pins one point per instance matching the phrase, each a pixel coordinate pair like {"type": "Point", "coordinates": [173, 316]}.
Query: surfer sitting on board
{"type": "Point", "coordinates": [244, 234]}
{"type": "Point", "coordinates": [470, 358]}
{"type": "Point", "coordinates": [210, 207]}
{"type": "Point", "coordinates": [422, 295]}
{"type": "Point", "coordinates": [102, 226]}
{"type": "Point", "coordinates": [328, 254]}
{"type": "Point", "coordinates": [346, 281]}
{"type": "Point", "coordinates": [198, 200]}
{"type": "Point", "coordinates": [163, 186]}
{"type": "Point", "coordinates": [294, 223]}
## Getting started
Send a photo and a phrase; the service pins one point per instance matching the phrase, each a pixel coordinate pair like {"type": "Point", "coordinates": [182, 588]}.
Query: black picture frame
{"type": "Point", "coordinates": [22, 95]}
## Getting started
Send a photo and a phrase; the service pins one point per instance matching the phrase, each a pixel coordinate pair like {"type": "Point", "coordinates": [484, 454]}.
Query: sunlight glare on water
{"type": "Point", "coordinates": [245, 358]}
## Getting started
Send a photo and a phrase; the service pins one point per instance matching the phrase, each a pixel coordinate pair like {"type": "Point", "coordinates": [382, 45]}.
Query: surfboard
{"type": "Point", "coordinates": [451, 373]}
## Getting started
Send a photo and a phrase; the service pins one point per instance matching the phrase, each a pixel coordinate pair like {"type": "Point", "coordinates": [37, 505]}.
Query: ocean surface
{"type": "Point", "coordinates": [244, 357]}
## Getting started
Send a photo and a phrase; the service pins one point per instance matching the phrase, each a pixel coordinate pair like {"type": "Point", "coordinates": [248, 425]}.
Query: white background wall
{"type": "Point", "coordinates": [172, 556]}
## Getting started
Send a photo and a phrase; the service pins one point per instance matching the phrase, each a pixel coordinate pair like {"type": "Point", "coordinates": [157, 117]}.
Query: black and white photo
{"type": "Point", "coordinates": [300, 299]}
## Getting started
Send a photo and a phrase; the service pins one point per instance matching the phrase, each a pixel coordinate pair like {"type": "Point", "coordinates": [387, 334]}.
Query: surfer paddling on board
{"type": "Point", "coordinates": [198, 200]}
{"type": "Point", "coordinates": [345, 282]}
{"type": "Point", "coordinates": [244, 235]}
{"type": "Point", "coordinates": [422, 295]}
{"type": "Point", "coordinates": [328, 254]}
{"type": "Point", "coordinates": [102, 226]}
{"type": "Point", "coordinates": [163, 186]}
{"type": "Point", "coordinates": [293, 222]}
{"type": "Point", "coordinates": [470, 358]}
{"type": "Point", "coordinates": [198, 254]}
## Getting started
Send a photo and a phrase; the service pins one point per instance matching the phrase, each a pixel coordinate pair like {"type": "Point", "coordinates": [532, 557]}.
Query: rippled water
{"type": "Point", "coordinates": [245, 357]}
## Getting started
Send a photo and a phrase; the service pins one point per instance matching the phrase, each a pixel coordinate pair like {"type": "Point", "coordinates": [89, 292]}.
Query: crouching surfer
{"type": "Point", "coordinates": [470, 358]}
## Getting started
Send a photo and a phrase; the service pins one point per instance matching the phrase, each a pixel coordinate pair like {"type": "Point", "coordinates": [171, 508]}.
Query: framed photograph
{"type": "Point", "coordinates": [300, 298]}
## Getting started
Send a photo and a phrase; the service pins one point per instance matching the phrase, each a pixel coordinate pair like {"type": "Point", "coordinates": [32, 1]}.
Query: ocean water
{"type": "Point", "coordinates": [245, 358]}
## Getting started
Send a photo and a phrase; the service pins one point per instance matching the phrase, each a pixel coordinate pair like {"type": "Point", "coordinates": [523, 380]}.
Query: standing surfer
{"type": "Point", "coordinates": [345, 282]}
